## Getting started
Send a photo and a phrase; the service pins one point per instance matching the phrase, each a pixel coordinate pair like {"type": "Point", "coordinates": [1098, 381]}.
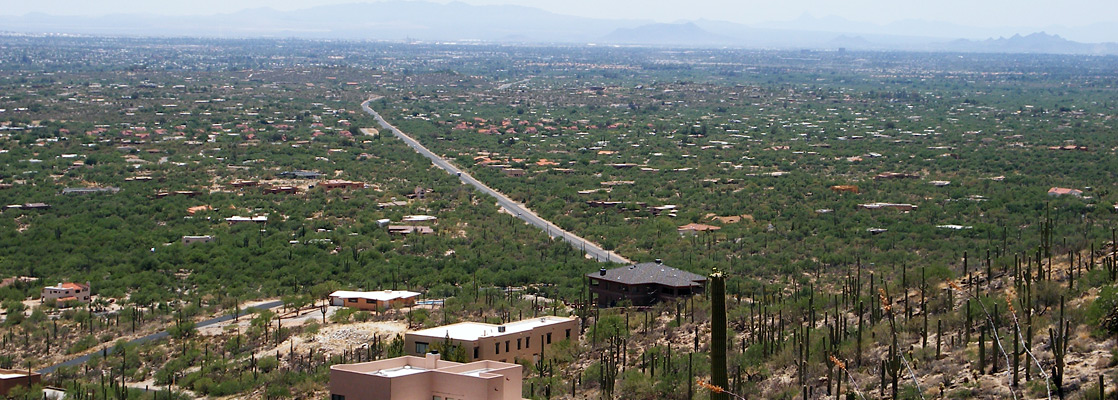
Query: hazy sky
{"type": "Point", "coordinates": [989, 13]}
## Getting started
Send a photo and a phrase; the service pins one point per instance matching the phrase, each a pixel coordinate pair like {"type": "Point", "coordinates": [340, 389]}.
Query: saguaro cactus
{"type": "Point", "coordinates": [718, 375]}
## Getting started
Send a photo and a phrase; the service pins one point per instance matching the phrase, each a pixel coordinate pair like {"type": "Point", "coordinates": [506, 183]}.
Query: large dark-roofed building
{"type": "Point", "coordinates": [643, 284]}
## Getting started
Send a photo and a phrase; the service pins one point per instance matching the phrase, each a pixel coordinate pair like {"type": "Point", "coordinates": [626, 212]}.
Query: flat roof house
{"type": "Point", "coordinates": [10, 379]}
{"type": "Point", "coordinates": [300, 174]}
{"type": "Point", "coordinates": [409, 229]}
{"type": "Point", "coordinates": [643, 284]}
{"type": "Point", "coordinates": [521, 339]}
{"type": "Point", "coordinates": [373, 301]}
{"type": "Point", "coordinates": [189, 240]}
{"type": "Point", "coordinates": [426, 378]}
{"type": "Point", "coordinates": [692, 229]}
{"type": "Point", "coordinates": [340, 184]}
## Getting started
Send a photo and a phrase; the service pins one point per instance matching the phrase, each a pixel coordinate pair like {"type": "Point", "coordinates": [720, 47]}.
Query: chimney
{"type": "Point", "coordinates": [602, 272]}
{"type": "Point", "coordinates": [432, 360]}
{"type": "Point", "coordinates": [659, 261]}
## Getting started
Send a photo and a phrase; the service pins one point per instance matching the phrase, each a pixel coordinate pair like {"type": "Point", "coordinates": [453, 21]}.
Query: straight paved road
{"type": "Point", "coordinates": [517, 209]}
{"type": "Point", "coordinates": [154, 336]}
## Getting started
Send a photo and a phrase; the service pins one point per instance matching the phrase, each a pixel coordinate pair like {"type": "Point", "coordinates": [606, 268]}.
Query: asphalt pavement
{"type": "Point", "coordinates": [517, 209]}
{"type": "Point", "coordinates": [154, 336]}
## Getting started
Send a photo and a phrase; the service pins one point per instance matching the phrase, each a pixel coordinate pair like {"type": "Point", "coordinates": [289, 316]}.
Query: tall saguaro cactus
{"type": "Point", "coordinates": [718, 375]}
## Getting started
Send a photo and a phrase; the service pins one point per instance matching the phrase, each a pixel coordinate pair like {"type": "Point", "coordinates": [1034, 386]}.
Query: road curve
{"type": "Point", "coordinates": [517, 209]}
{"type": "Point", "coordinates": [154, 336]}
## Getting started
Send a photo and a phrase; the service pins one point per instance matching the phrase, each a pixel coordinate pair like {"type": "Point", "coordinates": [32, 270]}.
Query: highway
{"type": "Point", "coordinates": [514, 208]}
{"type": "Point", "coordinates": [154, 336]}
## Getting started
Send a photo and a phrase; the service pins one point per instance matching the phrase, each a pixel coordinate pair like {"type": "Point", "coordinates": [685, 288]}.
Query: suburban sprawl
{"type": "Point", "coordinates": [282, 218]}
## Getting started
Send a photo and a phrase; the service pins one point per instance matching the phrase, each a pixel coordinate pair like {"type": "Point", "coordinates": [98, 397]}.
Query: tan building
{"type": "Point", "coordinates": [506, 343]}
{"type": "Point", "coordinates": [426, 378]}
{"type": "Point", "coordinates": [67, 292]}
{"type": "Point", "coordinates": [374, 301]}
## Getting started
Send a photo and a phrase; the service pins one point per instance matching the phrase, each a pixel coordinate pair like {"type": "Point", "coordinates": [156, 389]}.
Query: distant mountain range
{"type": "Point", "coordinates": [396, 20]}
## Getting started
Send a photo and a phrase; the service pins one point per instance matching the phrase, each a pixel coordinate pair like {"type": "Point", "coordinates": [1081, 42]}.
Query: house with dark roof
{"type": "Point", "coordinates": [643, 284]}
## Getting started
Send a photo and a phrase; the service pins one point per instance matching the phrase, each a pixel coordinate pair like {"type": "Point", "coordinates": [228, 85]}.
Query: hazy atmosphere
{"type": "Point", "coordinates": [1030, 15]}
{"type": "Point", "coordinates": [641, 199]}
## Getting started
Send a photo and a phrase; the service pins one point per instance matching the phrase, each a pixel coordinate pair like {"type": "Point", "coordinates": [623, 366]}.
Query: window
{"type": "Point", "coordinates": [568, 333]}
{"type": "Point", "coordinates": [351, 300]}
{"type": "Point", "coordinates": [528, 342]}
{"type": "Point", "coordinates": [436, 398]}
{"type": "Point", "coordinates": [507, 346]}
{"type": "Point", "coordinates": [370, 301]}
{"type": "Point", "coordinates": [476, 350]}
{"type": "Point", "coordinates": [549, 338]}
{"type": "Point", "coordinates": [518, 343]}
{"type": "Point", "coordinates": [336, 397]}
{"type": "Point", "coordinates": [594, 282]}
{"type": "Point", "coordinates": [420, 348]}
{"type": "Point", "coordinates": [497, 348]}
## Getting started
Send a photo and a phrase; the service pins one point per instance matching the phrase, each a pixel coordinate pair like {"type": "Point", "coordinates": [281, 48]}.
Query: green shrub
{"type": "Point", "coordinates": [1103, 312]}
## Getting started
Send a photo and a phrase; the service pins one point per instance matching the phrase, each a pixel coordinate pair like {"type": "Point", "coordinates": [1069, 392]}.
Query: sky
{"type": "Point", "coordinates": [985, 13]}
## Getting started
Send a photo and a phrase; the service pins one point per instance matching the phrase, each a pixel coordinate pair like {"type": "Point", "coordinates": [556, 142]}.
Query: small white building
{"type": "Point", "coordinates": [189, 240]}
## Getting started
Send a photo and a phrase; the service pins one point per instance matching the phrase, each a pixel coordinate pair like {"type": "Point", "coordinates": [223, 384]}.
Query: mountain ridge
{"type": "Point", "coordinates": [457, 21]}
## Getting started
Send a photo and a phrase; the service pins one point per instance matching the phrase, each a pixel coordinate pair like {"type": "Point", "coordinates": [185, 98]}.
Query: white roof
{"type": "Point", "coordinates": [402, 371]}
{"type": "Point", "coordinates": [261, 218]}
{"type": "Point", "coordinates": [419, 218]}
{"type": "Point", "coordinates": [470, 331]}
{"type": "Point", "coordinates": [382, 295]}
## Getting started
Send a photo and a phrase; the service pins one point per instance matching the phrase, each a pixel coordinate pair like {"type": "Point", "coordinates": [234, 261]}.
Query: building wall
{"type": "Point", "coordinates": [359, 386]}
{"type": "Point", "coordinates": [8, 384]}
{"type": "Point", "coordinates": [504, 347]}
{"type": "Point", "coordinates": [608, 293]}
{"type": "Point", "coordinates": [81, 294]}
{"type": "Point", "coordinates": [448, 381]}
{"type": "Point", "coordinates": [374, 305]}
{"type": "Point", "coordinates": [504, 382]}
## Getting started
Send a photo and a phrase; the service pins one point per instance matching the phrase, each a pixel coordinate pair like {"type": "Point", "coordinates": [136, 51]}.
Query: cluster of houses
{"type": "Point", "coordinates": [490, 351]}
{"type": "Point", "coordinates": [489, 372]}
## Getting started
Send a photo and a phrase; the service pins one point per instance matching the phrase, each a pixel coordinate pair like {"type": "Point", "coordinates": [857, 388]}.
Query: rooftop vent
{"type": "Point", "coordinates": [501, 329]}
{"type": "Point", "coordinates": [659, 261]}
{"type": "Point", "coordinates": [602, 272]}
